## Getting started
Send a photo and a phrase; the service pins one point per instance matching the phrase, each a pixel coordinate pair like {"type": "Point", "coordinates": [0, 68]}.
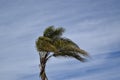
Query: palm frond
{"type": "Point", "coordinates": [68, 41]}
{"type": "Point", "coordinates": [64, 44]}
{"type": "Point", "coordinates": [58, 32]}
{"type": "Point", "coordinates": [68, 48]}
{"type": "Point", "coordinates": [45, 44]}
{"type": "Point", "coordinates": [49, 31]}
{"type": "Point", "coordinates": [70, 54]}
{"type": "Point", "coordinates": [53, 33]}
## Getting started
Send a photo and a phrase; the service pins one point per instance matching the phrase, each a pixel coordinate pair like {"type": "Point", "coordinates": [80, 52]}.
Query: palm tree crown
{"type": "Point", "coordinates": [52, 41]}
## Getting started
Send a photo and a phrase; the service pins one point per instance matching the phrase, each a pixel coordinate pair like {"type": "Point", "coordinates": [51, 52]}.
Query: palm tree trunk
{"type": "Point", "coordinates": [42, 68]}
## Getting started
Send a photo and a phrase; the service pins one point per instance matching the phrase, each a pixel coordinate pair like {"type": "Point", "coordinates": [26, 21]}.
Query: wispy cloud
{"type": "Point", "coordinates": [100, 66]}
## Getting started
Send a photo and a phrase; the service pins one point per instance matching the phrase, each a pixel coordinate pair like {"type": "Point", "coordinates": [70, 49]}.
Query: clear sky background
{"type": "Point", "coordinates": [93, 24]}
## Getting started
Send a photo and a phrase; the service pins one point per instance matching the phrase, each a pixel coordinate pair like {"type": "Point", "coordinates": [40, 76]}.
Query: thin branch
{"type": "Point", "coordinates": [49, 57]}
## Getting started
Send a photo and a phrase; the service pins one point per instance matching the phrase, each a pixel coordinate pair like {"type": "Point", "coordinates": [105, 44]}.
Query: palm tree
{"type": "Point", "coordinates": [53, 42]}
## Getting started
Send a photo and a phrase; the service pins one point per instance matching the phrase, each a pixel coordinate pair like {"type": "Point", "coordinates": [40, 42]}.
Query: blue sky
{"type": "Point", "coordinates": [93, 24]}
